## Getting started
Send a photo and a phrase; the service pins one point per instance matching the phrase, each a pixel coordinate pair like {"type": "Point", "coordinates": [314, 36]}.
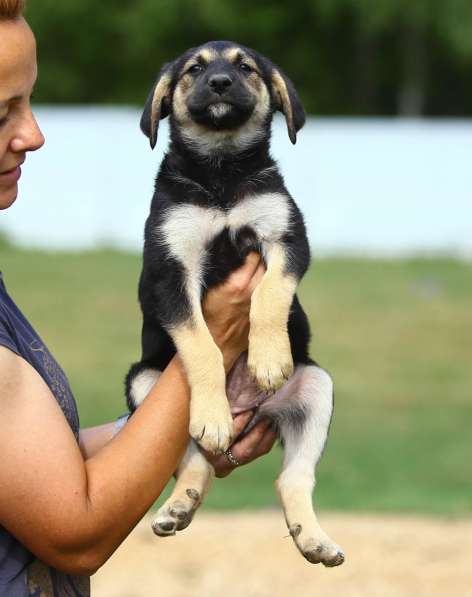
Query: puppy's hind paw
{"type": "Point", "coordinates": [317, 548]}
{"type": "Point", "coordinates": [322, 554]}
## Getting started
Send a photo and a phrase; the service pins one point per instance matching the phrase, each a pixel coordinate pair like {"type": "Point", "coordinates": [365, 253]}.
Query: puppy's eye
{"type": "Point", "coordinates": [245, 67]}
{"type": "Point", "coordinates": [195, 69]}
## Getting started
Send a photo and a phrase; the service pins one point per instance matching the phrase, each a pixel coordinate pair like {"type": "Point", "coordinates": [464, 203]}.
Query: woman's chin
{"type": "Point", "coordinates": [8, 197]}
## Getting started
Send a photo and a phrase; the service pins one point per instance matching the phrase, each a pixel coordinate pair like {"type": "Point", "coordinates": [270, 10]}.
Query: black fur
{"type": "Point", "coordinates": [218, 181]}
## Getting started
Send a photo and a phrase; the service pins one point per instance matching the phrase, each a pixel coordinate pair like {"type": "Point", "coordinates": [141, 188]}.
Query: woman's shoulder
{"type": "Point", "coordinates": [17, 334]}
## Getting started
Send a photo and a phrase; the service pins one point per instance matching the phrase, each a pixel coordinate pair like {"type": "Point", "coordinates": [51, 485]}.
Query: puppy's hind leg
{"type": "Point", "coordinates": [193, 478]}
{"type": "Point", "coordinates": [304, 431]}
{"type": "Point", "coordinates": [139, 381]}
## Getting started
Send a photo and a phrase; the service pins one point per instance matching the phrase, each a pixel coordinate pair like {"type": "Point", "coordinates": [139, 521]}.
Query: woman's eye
{"type": "Point", "coordinates": [195, 69]}
{"type": "Point", "coordinates": [3, 120]}
{"type": "Point", "coordinates": [245, 67]}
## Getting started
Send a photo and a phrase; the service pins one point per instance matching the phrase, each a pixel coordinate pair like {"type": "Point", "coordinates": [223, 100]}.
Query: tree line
{"type": "Point", "coordinates": [346, 57]}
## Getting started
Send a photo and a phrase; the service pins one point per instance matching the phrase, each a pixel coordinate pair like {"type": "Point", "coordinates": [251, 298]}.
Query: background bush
{"type": "Point", "coordinates": [347, 57]}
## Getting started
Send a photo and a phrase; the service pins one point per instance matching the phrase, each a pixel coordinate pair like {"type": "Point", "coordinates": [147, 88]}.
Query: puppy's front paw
{"type": "Point", "coordinates": [177, 513]}
{"type": "Point", "coordinates": [211, 425]}
{"type": "Point", "coordinates": [270, 359]}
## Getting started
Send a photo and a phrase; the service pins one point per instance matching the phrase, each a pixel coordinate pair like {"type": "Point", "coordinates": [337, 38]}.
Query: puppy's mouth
{"type": "Point", "coordinates": [227, 111]}
{"type": "Point", "coordinates": [220, 113]}
{"type": "Point", "coordinates": [219, 109]}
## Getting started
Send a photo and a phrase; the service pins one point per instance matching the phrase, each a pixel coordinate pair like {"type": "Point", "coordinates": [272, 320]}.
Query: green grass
{"type": "Point", "coordinates": [396, 336]}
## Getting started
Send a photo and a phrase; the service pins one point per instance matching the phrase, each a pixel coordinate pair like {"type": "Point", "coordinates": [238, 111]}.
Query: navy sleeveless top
{"type": "Point", "coordinates": [21, 574]}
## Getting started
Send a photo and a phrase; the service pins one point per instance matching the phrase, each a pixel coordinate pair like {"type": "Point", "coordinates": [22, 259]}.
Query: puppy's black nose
{"type": "Point", "coordinates": [219, 83]}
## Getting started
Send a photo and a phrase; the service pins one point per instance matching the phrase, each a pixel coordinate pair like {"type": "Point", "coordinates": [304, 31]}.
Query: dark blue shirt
{"type": "Point", "coordinates": [21, 574]}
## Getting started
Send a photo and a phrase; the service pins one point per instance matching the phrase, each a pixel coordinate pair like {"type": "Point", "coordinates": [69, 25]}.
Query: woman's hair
{"type": "Point", "coordinates": [11, 9]}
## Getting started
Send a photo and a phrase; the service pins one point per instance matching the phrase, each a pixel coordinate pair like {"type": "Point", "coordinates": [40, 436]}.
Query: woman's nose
{"type": "Point", "coordinates": [29, 136]}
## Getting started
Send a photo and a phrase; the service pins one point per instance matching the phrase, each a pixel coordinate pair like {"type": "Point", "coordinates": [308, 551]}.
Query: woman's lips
{"type": "Point", "coordinates": [10, 176]}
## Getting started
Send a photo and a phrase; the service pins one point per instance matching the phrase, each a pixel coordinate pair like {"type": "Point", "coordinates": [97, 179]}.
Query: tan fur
{"type": "Point", "coordinates": [251, 63]}
{"type": "Point", "coordinates": [179, 103]}
{"type": "Point", "coordinates": [270, 359]}
{"type": "Point", "coordinates": [208, 54]}
{"type": "Point", "coordinates": [255, 82]}
{"type": "Point", "coordinates": [197, 58]}
{"type": "Point", "coordinates": [186, 83]}
{"type": "Point", "coordinates": [193, 479]}
{"type": "Point", "coordinates": [160, 92]}
{"type": "Point", "coordinates": [236, 54]}
{"type": "Point", "coordinates": [190, 62]}
{"type": "Point", "coordinates": [211, 423]}
{"type": "Point", "coordinates": [232, 54]}
{"type": "Point", "coordinates": [281, 92]}
{"type": "Point", "coordinates": [263, 98]}
{"type": "Point", "coordinates": [303, 525]}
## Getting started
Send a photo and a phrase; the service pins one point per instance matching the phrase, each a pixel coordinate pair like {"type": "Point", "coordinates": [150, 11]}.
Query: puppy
{"type": "Point", "coordinates": [218, 196]}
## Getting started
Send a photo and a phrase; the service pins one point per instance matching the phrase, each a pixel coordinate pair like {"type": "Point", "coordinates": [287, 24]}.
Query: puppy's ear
{"type": "Point", "coordinates": [157, 104]}
{"type": "Point", "coordinates": [287, 101]}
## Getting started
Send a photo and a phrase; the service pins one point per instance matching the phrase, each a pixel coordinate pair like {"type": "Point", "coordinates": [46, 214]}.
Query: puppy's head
{"type": "Point", "coordinates": [221, 95]}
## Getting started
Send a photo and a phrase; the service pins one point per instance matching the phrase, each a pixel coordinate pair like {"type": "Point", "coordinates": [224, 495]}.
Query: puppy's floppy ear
{"type": "Point", "coordinates": [157, 104]}
{"type": "Point", "coordinates": [287, 101]}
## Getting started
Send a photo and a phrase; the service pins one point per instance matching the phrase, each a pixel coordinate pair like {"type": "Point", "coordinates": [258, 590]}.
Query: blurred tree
{"type": "Point", "coordinates": [416, 27]}
{"type": "Point", "coordinates": [345, 56]}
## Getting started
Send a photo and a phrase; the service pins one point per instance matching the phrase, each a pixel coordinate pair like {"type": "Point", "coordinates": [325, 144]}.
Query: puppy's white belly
{"type": "Point", "coordinates": [189, 229]}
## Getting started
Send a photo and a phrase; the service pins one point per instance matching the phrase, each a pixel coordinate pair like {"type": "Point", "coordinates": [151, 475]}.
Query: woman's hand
{"type": "Point", "coordinates": [226, 309]}
{"type": "Point", "coordinates": [257, 442]}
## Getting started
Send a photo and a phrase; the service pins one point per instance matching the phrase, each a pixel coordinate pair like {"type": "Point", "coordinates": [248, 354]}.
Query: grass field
{"type": "Point", "coordinates": [396, 336]}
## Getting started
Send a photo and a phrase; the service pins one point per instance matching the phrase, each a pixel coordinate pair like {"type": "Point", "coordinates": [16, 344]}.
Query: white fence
{"type": "Point", "coordinates": [379, 187]}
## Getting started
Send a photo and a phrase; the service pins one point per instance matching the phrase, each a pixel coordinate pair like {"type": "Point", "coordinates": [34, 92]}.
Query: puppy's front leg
{"type": "Point", "coordinates": [211, 424]}
{"type": "Point", "coordinates": [269, 357]}
{"type": "Point", "coordinates": [193, 478]}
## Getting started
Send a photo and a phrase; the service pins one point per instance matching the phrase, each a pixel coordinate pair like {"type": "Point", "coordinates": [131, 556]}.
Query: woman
{"type": "Point", "coordinates": [69, 497]}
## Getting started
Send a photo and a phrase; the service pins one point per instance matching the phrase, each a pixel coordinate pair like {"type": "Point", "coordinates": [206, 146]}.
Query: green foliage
{"type": "Point", "coordinates": [345, 56]}
{"type": "Point", "coordinates": [394, 334]}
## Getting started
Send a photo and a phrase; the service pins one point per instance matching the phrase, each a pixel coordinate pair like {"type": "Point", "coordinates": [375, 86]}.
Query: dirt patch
{"type": "Point", "coordinates": [250, 555]}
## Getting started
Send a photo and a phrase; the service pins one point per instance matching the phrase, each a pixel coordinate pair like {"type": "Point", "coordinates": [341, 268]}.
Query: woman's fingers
{"type": "Point", "coordinates": [268, 440]}
{"type": "Point", "coordinates": [240, 421]}
{"type": "Point", "coordinates": [257, 442]}
{"type": "Point", "coordinates": [256, 278]}
{"type": "Point", "coordinates": [241, 278]}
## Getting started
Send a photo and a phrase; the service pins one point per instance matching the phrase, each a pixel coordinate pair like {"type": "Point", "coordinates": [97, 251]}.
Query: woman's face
{"type": "Point", "coordinates": [19, 131]}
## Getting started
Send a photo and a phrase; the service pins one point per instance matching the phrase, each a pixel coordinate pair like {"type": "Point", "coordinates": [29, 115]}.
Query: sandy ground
{"type": "Point", "coordinates": [249, 555]}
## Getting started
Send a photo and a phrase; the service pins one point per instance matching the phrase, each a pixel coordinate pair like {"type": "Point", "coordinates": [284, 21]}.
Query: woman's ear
{"type": "Point", "coordinates": [287, 101]}
{"type": "Point", "coordinates": [157, 104]}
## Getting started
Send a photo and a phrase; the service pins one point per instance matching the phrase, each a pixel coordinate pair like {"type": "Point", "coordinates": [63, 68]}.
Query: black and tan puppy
{"type": "Point", "coordinates": [219, 195]}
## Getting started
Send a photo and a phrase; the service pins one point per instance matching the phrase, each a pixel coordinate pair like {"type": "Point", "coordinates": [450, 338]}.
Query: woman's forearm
{"type": "Point", "coordinates": [93, 439]}
{"type": "Point", "coordinates": [124, 478]}
{"type": "Point", "coordinates": [70, 510]}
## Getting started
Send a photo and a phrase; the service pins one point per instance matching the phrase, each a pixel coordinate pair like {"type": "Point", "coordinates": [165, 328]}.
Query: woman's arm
{"type": "Point", "coordinates": [257, 442]}
{"type": "Point", "coordinates": [223, 325]}
{"type": "Point", "coordinates": [73, 513]}
{"type": "Point", "coordinates": [70, 513]}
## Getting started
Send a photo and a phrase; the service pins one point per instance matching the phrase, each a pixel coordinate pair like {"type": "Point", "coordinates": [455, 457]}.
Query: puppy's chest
{"type": "Point", "coordinates": [189, 230]}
